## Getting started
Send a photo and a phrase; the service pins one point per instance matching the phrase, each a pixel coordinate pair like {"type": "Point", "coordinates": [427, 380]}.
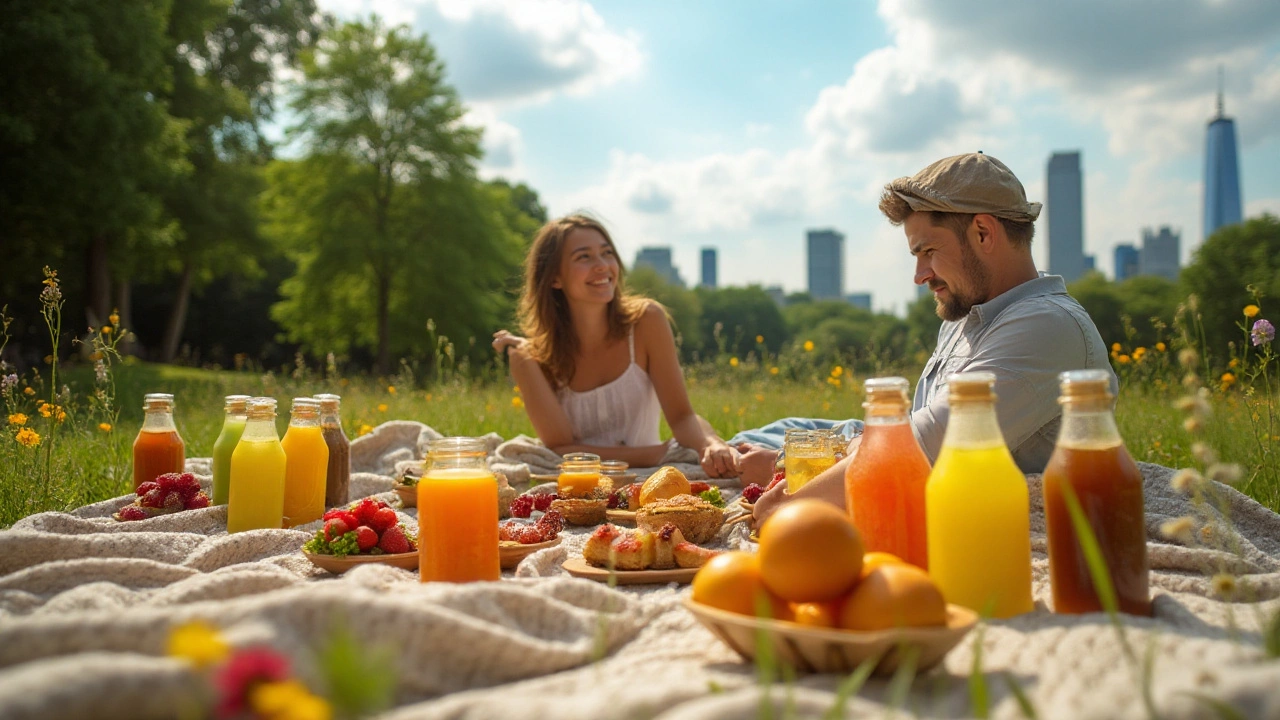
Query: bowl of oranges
{"type": "Point", "coordinates": [821, 602]}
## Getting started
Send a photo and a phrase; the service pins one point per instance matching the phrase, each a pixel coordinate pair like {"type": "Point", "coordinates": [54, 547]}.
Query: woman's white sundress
{"type": "Point", "coordinates": [622, 412]}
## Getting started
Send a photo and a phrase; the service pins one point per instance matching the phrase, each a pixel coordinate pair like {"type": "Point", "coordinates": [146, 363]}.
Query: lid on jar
{"type": "Point", "coordinates": [1084, 385]}
{"type": "Point", "coordinates": [155, 402]}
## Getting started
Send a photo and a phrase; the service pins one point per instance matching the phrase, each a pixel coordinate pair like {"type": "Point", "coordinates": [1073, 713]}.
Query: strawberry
{"type": "Point", "coordinates": [174, 502]}
{"type": "Point", "coordinates": [366, 537]}
{"type": "Point", "coordinates": [132, 512]}
{"type": "Point", "coordinates": [147, 487]}
{"type": "Point", "coordinates": [331, 514]}
{"type": "Point", "coordinates": [154, 498]}
{"type": "Point", "coordinates": [777, 478]}
{"type": "Point", "coordinates": [383, 519]}
{"type": "Point", "coordinates": [394, 541]}
{"type": "Point", "coordinates": [335, 528]}
{"type": "Point", "coordinates": [170, 482]}
{"type": "Point", "coordinates": [188, 484]}
{"type": "Point", "coordinates": [698, 487]}
{"type": "Point", "coordinates": [199, 500]}
{"type": "Point", "coordinates": [364, 511]}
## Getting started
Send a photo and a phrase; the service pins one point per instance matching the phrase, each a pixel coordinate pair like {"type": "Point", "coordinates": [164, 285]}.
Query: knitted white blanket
{"type": "Point", "coordinates": [86, 604]}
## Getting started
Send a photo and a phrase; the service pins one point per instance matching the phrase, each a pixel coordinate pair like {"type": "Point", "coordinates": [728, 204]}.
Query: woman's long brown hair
{"type": "Point", "coordinates": [544, 310]}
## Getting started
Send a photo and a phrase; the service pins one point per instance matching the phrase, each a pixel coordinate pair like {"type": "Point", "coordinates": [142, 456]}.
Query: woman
{"type": "Point", "coordinates": [597, 365]}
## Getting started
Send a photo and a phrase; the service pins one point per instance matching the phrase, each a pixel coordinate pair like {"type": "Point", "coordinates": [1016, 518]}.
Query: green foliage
{"type": "Point", "coordinates": [684, 307]}
{"type": "Point", "coordinates": [732, 317]}
{"type": "Point", "coordinates": [1134, 312]}
{"type": "Point", "coordinates": [1235, 257]}
{"type": "Point", "coordinates": [360, 681]}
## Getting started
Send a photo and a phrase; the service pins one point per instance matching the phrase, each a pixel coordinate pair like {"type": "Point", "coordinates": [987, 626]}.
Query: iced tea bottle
{"type": "Point", "coordinates": [1091, 460]}
{"type": "Point", "coordinates": [237, 409]}
{"type": "Point", "coordinates": [885, 483]}
{"type": "Point", "coordinates": [337, 482]}
{"type": "Point", "coordinates": [256, 499]}
{"type": "Point", "coordinates": [977, 508]}
{"type": "Point", "coordinates": [306, 464]}
{"type": "Point", "coordinates": [158, 449]}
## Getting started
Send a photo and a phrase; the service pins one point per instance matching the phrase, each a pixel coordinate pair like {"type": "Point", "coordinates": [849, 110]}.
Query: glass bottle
{"type": "Point", "coordinates": [1090, 459]}
{"type": "Point", "coordinates": [579, 475]}
{"type": "Point", "coordinates": [338, 475]}
{"type": "Point", "coordinates": [307, 462]}
{"type": "Point", "coordinates": [256, 499]}
{"type": "Point", "coordinates": [977, 508]}
{"type": "Point", "coordinates": [458, 513]}
{"type": "Point", "coordinates": [237, 409]}
{"type": "Point", "coordinates": [158, 449]}
{"type": "Point", "coordinates": [885, 483]}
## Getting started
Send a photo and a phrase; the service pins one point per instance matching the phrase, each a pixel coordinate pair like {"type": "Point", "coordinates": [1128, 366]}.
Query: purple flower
{"type": "Point", "coordinates": [1263, 332]}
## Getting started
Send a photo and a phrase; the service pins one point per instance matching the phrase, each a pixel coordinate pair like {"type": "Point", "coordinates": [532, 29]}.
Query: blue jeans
{"type": "Point", "coordinates": [771, 435]}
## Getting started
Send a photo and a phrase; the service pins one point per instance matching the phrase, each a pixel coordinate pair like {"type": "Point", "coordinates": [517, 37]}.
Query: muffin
{"type": "Point", "coordinates": [697, 519]}
{"type": "Point", "coordinates": [667, 482]}
{"type": "Point", "coordinates": [581, 511]}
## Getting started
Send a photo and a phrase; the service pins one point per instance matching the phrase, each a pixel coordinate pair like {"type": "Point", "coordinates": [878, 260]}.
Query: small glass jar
{"type": "Point", "coordinates": [808, 454]}
{"type": "Point", "coordinates": [579, 475]}
{"type": "Point", "coordinates": [458, 513]}
{"type": "Point", "coordinates": [613, 474]}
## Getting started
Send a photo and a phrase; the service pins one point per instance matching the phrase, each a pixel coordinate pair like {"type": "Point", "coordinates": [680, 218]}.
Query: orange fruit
{"type": "Point", "coordinates": [817, 614]}
{"type": "Point", "coordinates": [731, 581]}
{"type": "Point", "coordinates": [810, 552]}
{"type": "Point", "coordinates": [894, 596]}
{"type": "Point", "coordinates": [873, 560]}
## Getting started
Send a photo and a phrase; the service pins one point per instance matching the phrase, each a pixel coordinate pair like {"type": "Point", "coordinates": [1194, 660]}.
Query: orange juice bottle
{"type": "Point", "coordinates": [307, 464]}
{"type": "Point", "coordinates": [256, 500]}
{"type": "Point", "coordinates": [885, 483]}
{"type": "Point", "coordinates": [579, 475]}
{"type": "Point", "coordinates": [158, 449]}
{"type": "Point", "coordinates": [1091, 459]}
{"type": "Point", "coordinates": [458, 514]}
{"type": "Point", "coordinates": [977, 508]}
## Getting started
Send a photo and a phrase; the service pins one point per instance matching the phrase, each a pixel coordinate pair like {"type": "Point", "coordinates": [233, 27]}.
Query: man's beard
{"type": "Point", "coordinates": [957, 305]}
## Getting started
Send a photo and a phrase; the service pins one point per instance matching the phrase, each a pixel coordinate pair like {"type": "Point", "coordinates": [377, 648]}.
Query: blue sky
{"type": "Point", "coordinates": [741, 124]}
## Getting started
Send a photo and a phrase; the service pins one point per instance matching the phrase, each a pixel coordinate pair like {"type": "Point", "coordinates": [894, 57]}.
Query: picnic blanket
{"type": "Point", "coordinates": [86, 605]}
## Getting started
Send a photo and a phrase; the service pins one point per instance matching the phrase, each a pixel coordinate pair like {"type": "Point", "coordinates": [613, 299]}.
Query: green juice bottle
{"type": "Point", "coordinates": [232, 429]}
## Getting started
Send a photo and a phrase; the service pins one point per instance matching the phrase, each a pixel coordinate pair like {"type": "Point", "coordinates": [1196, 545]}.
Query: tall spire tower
{"type": "Point", "coordinates": [1222, 204]}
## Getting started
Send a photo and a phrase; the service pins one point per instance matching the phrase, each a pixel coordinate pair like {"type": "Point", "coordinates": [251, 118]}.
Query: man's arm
{"type": "Point", "coordinates": [828, 486]}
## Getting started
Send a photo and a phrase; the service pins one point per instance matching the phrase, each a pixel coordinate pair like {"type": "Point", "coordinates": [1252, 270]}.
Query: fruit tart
{"type": "Point", "coordinates": [697, 519]}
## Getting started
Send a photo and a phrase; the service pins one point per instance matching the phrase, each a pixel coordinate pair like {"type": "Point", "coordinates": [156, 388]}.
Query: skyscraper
{"type": "Point", "coordinates": [1161, 253]}
{"type": "Point", "coordinates": [826, 264]}
{"type": "Point", "coordinates": [659, 258]}
{"type": "Point", "coordinates": [1127, 261]}
{"type": "Point", "coordinates": [1221, 172]}
{"type": "Point", "coordinates": [1065, 205]}
{"type": "Point", "coordinates": [709, 267]}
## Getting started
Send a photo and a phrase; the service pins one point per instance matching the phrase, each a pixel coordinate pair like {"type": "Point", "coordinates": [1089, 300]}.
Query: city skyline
{"type": "Point", "coordinates": [1064, 206]}
{"type": "Point", "coordinates": [1222, 196]}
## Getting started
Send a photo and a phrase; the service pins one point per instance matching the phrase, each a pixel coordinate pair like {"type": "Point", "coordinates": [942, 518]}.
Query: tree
{"type": "Point", "coordinates": [740, 314]}
{"type": "Point", "coordinates": [923, 323]}
{"type": "Point", "coordinates": [1102, 301]}
{"type": "Point", "coordinates": [1235, 257]}
{"type": "Point", "coordinates": [682, 304]}
{"type": "Point", "coordinates": [385, 131]}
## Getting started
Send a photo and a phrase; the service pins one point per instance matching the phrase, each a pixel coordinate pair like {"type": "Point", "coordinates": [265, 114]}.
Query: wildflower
{"type": "Point", "coordinates": [99, 371]}
{"type": "Point", "coordinates": [1235, 363]}
{"type": "Point", "coordinates": [1202, 452]}
{"type": "Point", "coordinates": [1138, 352]}
{"type": "Point", "coordinates": [733, 362]}
{"type": "Point", "coordinates": [382, 407]}
{"type": "Point", "coordinates": [833, 381]}
{"type": "Point", "coordinates": [28, 390]}
{"type": "Point", "coordinates": [8, 383]}
{"type": "Point", "coordinates": [428, 397]}
{"type": "Point", "coordinates": [287, 700]}
{"type": "Point", "coordinates": [516, 389]}
{"type": "Point", "coordinates": [1193, 425]}
{"type": "Point", "coordinates": [114, 317]}
{"type": "Point", "coordinates": [759, 339]}
{"type": "Point", "coordinates": [826, 406]}
{"type": "Point", "coordinates": [1185, 480]}
{"type": "Point", "coordinates": [59, 414]}
{"type": "Point", "coordinates": [391, 389]}
{"type": "Point", "coordinates": [246, 669]}
{"type": "Point", "coordinates": [1263, 332]}
{"type": "Point", "coordinates": [1190, 381]}
{"type": "Point", "coordinates": [1224, 585]}
{"type": "Point", "coordinates": [1124, 359]}
{"type": "Point", "coordinates": [1251, 311]}
{"type": "Point", "coordinates": [773, 370]}
{"type": "Point", "coordinates": [106, 329]}
{"type": "Point", "coordinates": [27, 437]}
{"type": "Point", "coordinates": [837, 371]}
{"type": "Point", "coordinates": [364, 429]}
{"type": "Point", "coordinates": [1115, 347]}
{"type": "Point", "coordinates": [197, 642]}
{"type": "Point", "coordinates": [1160, 346]}
{"type": "Point", "coordinates": [18, 419]}
{"type": "Point", "coordinates": [1188, 358]}
{"type": "Point", "coordinates": [516, 402]}
{"type": "Point", "coordinates": [759, 397]}
{"type": "Point", "coordinates": [46, 410]}
{"type": "Point", "coordinates": [1227, 380]}
{"type": "Point", "coordinates": [808, 346]}
{"type": "Point", "coordinates": [1178, 529]}
{"type": "Point", "coordinates": [1225, 473]}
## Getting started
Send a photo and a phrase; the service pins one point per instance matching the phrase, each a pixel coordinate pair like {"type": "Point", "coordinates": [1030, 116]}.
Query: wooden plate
{"type": "Point", "coordinates": [578, 567]}
{"type": "Point", "coordinates": [836, 651]}
{"type": "Point", "coordinates": [339, 565]}
{"type": "Point", "coordinates": [511, 553]}
{"type": "Point", "coordinates": [408, 495]}
{"type": "Point", "coordinates": [621, 517]}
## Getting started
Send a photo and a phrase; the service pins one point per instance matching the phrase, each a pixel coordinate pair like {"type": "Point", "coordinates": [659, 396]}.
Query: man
{"type": "Point", "coordinates": [969, 226]}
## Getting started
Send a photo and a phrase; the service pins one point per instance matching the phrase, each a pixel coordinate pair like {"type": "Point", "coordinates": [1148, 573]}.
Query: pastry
{"type": "Point", "coordinates": [667, 482]}
{"type": "Point", "coordinates": [581, 511]}
{"type": "Point", "coordinates": [632, 550]}
{"type": "Point", "coordinates": [596, 551]}
{"type": "Point", "coordinates": [689, 555]}
{"type": "Point", "coordinates": [697, 519]}
{"type": "Point", "coordinates": [664, 543]}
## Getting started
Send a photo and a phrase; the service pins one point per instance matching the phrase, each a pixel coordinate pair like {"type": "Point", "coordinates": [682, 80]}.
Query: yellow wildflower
{"type": "Point", "coordinates": [365, 429]}
{"type": "Point", "coordinates": [197, 642]}
{"type": "Point", "coordinates": [759, 397]}
{"type": "Point", "coordinates": [18, 419]}
{"type": "Point", "coordinates": [1115, 347]}
{"type": "Point", "coordinates": [773, 370]}
{"type": "Point", "coordinates": [428, 397]}
{"type": "Point", "coordinates": [808, 346]}
{"type": "Point", "coordinates": [516, 402]}
{"type": "Point", "coordinates": [1224, 585]}
{"type": "Point", "coordinates": [28, 391]}
{"type": "Point", "coordinates": [46, 410]}
{"type": "Point", "coordinates": [391, 389]}
{"type": "Point", "coordinates": [106, 329]}
{"type": "Point", "coordinates": [59, 414]}
{"type": "Point", "coordinates": [288, 700]}
{"type": "Point", "coordinates": [1251, 311]}
{"type": "Point", "coordinates": [1227, 380]}
{"type": "Point", "coordinates": [837, 371]}
{"type": "Point", "coordinates": [27, 437]}
{"type": "Point", "coordinates": [733, 362]}
{"type": "Point", "coordinates": [1123, 359]}
{"type": "Point", "coordinates": [114, 317]}
{"type": "Point", "coordinates": [1160, 346]}
{"type": "Point", "coordinates": [833, 381]}
{"type": "Point", "coordinates": [1235, 362]}
{"type": "Point", "coordinates": [517, 389]}
{"type": "Point", "coordinates": [382, 407]}
{"type": "Point", "coordinates": [759, 339]}
{"type": "Point", "coordinates": [826, 406]}
{"type": "Point", "coordinates": [104, 427]}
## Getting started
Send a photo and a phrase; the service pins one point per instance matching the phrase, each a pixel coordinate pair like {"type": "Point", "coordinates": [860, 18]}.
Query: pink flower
{"type": "Point", "coordinates": [243, 671]}
{"type": "Point", "coordinates": [1263, 332]}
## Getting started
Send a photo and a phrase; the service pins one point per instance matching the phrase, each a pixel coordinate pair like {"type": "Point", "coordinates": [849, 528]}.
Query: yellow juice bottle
{"type": "Point", "coordinates": [977, 508]}
{"type": "Point", "coordinates": [256, 497]}
{"type": "Point", "coordinates": [307, 464]}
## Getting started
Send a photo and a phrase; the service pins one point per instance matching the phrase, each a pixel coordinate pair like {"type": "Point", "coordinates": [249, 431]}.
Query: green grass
{"type": "Point", "coordinates": [84, 464]}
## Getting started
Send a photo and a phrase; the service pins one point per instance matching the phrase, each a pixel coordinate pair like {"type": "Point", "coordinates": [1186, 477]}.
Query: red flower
{"type": "Point", "coordinates": [245, 669]}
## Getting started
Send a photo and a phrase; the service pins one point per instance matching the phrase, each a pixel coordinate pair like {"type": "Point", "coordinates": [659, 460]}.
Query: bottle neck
{"type": "Point", "coordinates": [1088, 427]}
{"type": "Point", "coordinates": [260, 429]}
{"type": "Point", "coordinates": [887, 413]}
{"type": "Point", "coordinates": [158, 421]}
{"type": "Point", "coordinates": [973, 425]}
{"type": "Point", "coordinates": [304, 420]}
{"type": "Point", "coordinates": [237, 416]}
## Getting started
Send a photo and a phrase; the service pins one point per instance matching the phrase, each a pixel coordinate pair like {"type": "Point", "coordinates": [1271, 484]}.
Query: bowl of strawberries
{"type": "Point", "coordinates": [368, 531]}
{"type": "Point", "coordinates": [167, 494]}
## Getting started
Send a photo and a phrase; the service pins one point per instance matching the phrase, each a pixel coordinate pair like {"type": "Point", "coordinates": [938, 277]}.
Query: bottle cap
{"type": "Point", "coordinates": [972, 387]}
{"type": "Point", "coordinates": [262, 407]}
{"type": "Point", "coordinates": [1084, 385]}
{"type": "Point", "coordinates": [237, 404]}
{"type": "Point", "coordinates": [886, 390]}
{"type": "Point", "coordinates": [329, 402]}
{"type": "Point", "coordinates": [157, 401]}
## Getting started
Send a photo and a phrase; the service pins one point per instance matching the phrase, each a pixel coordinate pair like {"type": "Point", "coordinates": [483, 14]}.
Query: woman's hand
{"type": "Point", "coordinates": [769, 503]}
{"type": "Point", "coordinates": [719, 460]}
{"type": "Point", "coordinates": [503, 340]}
{"type": "Point", "coordinates": [756, 464]}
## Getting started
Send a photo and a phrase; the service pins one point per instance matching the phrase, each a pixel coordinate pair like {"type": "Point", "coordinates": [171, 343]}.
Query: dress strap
{"type": "Point", "coordinates": [631, 343]}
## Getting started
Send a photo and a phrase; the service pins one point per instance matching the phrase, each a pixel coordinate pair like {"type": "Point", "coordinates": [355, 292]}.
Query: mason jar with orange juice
{"type": "Point", "coordinates": [580, 475]}
{"type": "Point", "coordinates": [458, 513]}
